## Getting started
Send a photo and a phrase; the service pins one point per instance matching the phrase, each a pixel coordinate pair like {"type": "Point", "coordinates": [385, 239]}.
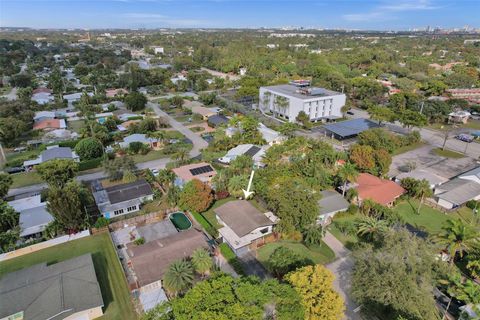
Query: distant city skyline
{"type": "Point", "coordinates": [149, 14]}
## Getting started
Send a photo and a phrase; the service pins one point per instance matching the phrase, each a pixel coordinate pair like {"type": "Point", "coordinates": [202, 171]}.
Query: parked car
{"type": "Point", "coordinates": [13, 170]}
{"type": "Point", "coordinates": [350, 113]}
{"type": "Point", "coordinates": [155, 172]}
{"type": "Point", "coordinates": [19, 149]}
{"type": "Point", "coordinates": [464, 137]}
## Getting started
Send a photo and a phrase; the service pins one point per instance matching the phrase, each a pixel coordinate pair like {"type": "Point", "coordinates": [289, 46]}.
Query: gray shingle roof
{"type": "Point", "coordinates": [242, 217]}
{"type": "Point", "coordinates": [331, 202]}
{"type": "Point", "coordinates": [51, 292]}
{"type": "Point", "coordinates": [34, 220]}
{"type": "Point", "coordinates": [350, 128]}
{"type": "Point", "coordinates": [458, 191]}
{"type": "Point", "coordinates": [57, 153]}
{"type": "Point", "coordinates": [129, 191]}
{"type": "Point", "coordinates": [217, 119]}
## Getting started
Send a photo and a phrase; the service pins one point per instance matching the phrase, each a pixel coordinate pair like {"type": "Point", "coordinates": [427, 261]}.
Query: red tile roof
{"type": "Point", "coordinates": [379, 190]}
{"type": "Point", "coordinates": [38, 90]}
{"type": "Point", "coordinates": [47, 124]}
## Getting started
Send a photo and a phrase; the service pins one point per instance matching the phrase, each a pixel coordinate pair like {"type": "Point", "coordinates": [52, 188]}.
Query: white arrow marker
{"type": "Point", "coordinates": [247, 192]}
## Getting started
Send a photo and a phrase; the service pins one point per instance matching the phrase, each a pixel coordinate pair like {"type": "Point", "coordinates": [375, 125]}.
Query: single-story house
{"type": "Point", "coordinates": [330, 204]}
{"type": "Point", "coordinates": [111, 93]}
{"type": "Point", "coordinates": [128, 123]}
{"type": "Point", "coordinates": [52, 152]}
{"type": "Point", "coordinates": [42, 96]}
{"type": "Point", "coordinates": [217, 120]}
{"type": "Point", "coordinates": [127, 116]}
{"type": "Point", "coordinates": [255, 152]}
{"type": "Point", "coordinates": [271, 136]}
{"type": "Point", "coordinates": [244, 226]}
{"type": "Point", "coordinates": [381, 191]}
{"type": "Point", "coordinates": [204, 112]}
{"type": "Point", "coordinates": [49, 124]}
{"type": "Point", "coordinates": [61, 134]}
{"type": "Point", "coordinates": [121, 199]}
{"type": "Point", "coordinates": [34, 216]}
{"type": "Point", "coordinates": [62, 290]}
{"type": "Point", "coordinates": [202, 171]}
{"type": "Point", "coordinates": [151, 260]}
{"type": "Point", "coordinates": [459, 190]}
{"type": "Point", "coordinates": [116, 104]}
{"type": "Point", "coordinates": [349, 128]}
{"type": "Point", "coordinates": [74, 97]}
{"type": "Point", "coordinates": [44, 115]}
{"type": "Point", "coordinates": [423, 174]}
{"type": "Point", "coordinates": [140, 137]}
{"type": "Point", "coordinates": [459, 116]}
{"type": "Point", "coordinates": [102, 117]}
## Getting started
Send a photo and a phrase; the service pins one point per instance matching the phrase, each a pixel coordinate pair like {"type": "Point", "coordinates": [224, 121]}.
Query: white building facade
{"type": "Point", "coordinates": [288, 100]}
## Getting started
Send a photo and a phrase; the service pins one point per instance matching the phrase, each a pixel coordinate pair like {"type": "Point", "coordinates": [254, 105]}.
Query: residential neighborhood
{"type": "Point", "coordinates": [165, 168]}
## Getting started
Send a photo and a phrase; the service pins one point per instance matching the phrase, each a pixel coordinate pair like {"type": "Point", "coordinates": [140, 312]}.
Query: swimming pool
{"type": "Point", "coordinates": [180, 221]}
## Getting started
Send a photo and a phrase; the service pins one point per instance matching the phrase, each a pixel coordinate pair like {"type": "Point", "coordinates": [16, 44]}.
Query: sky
{"type": "Point", "coordinates": [349, 14]}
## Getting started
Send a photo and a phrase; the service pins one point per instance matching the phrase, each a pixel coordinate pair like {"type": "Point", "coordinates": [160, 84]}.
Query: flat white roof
{"type": "Point", "coordinates": [293, 91]}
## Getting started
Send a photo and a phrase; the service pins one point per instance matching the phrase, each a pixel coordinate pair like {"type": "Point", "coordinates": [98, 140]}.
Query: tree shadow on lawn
{"type": "Point", "coordinates": [101, 269]}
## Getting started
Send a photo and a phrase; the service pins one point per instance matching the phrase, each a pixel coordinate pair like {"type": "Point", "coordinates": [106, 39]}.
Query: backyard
{"type": "Point", "coordinates": [109, 272]}
{"type": "Point", "coordinates": [24, 179]}
{"type": "Point", "coordinates": [321, 254]}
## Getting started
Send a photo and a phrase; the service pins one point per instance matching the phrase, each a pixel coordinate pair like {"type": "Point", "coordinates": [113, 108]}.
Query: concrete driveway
{"type": "Point", "coordinates": [252, 266]}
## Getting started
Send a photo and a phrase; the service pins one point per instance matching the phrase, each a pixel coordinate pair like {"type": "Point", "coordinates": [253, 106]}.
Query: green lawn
{"type": "Point", "coordinates": [319, 255]}
{"type": "Point", "coordinates": [151, 155]}
{"type": "Point", "coordinates": [76, 125]}
{"type": "Point", "coordinates": [113, 285]}
{"type": "Point", "coordinates": [24, 179]}
{"type": "Point", "coordinates": [348, 240]}
{"type": "Point", "coordinates": [408, 148]}
{"type": "Point", "coordinates": [448, 153]}
{"type": "Point", "coordinates": [472, 124]}
{"type": "Point", "coordinates": [429, 219]}
{"type": "Point", "coordinates": [29, 154]}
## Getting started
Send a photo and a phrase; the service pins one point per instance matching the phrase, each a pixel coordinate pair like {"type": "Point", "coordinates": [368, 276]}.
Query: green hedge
{"type": "Point", "coordinates": [232, 258]}
{"type": "Point", "coordinates": [69, 143]}
{"type": "Point", "coordinates": [205, 224]}
{"type": "Point", "coordinates": [90, 164]}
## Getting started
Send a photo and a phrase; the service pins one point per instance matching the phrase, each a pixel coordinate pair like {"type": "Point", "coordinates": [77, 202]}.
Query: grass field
{"type": "Point", "coordinates": [151, 155]}
{"type": "Point", "coordinates": [429, 218]}
{"type": "Point", "coordinates": [408, 148]}
{"type": "Point", "coordinates": [24, 179]}
{"type": "Point", "coordinates": [109, 272]}
{"type": "Point", "coordinates": [448, 153]}
{"type": "Point", "coordinates": [319, 254]}
{"type": "Point", "coordinates": [76, 125]}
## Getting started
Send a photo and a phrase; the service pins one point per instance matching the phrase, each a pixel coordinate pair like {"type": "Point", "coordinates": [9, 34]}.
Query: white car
{"type": "Point", "coordinates": [155, 172]}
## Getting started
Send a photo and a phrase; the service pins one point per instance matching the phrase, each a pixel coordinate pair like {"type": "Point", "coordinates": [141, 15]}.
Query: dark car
{"type": "Point", "coordinates": [464, 137]}
{"type": "Point", "coordinates": [350, 113]}
{"type": "Point", "coordinates": [13, 170]}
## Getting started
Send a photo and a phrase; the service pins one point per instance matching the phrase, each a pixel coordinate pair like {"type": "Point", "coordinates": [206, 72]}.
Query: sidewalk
{"type": "Point", "coordinates": [342, 269]}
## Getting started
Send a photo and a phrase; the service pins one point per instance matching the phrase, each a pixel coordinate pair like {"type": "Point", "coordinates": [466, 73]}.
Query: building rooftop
{"type": "Point", "coordinates": [420, 174]}
{"type": "Point", "coordinates": [302, 93]}
{"type": "Point", "coordinates": [155, 231]}
{"type": "Point", "coordinates": [242, 217]}
{"type": "Point", "coordinates": [57, 153]}
{"type": "Point", "coordinates": [350, 128]}
{"type": "Point", "coordinates": [200, 171]}
{"type": "Point", "coordinates": [151, 260]}
{"type": "Point", "coordinates": [332, 201]}
{"type": "Point", "coordinates": [379, 190]}
{"type": "Point", "coordinates": [128, 191]}
{"type": "Point", "coordinates": [53, 291]}
{"type": "Point", "coordinates": [458, 191]}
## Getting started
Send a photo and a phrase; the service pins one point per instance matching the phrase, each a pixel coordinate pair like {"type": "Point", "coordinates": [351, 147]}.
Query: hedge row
{"type": "Point", "coordinates": [205, 224]}
{"type": "Point", "coordinates": [90, 164]}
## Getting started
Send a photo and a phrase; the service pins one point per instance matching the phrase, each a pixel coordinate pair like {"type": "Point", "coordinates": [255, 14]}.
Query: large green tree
{"type": "Point", "coordinates": [65, 204]}
{"type": "Point", "coordinates": [57, 172]}
{"type": "Point", "coordinates": [5, 183]}
{"type": "Point", "coordinates": [135, 101]}
{"type": "Point", "coordinates": [458, 238]}
{"type": "Point", "coordinates": [396, 278]}
{"type": "Point", "coordinates": [89, 148]}
{"type": "Point", "coordinates": [9, 228]}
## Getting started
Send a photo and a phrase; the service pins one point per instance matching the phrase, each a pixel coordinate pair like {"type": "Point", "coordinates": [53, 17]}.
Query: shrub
{"type": "Point", "coordinates": [69, 143]}
{"type": "Point", "coordinates": [139, 241]}
{"type": "Point", "coordinates": [90, 164]}
{"type": "Point", "coordinates": [205, 224]}
{"type": "Point", "coordinates": [221, 195]}
{"type": "Point", "coordinates": [472, 204]}
{"type": "Point", "coordinates": [101, 222]}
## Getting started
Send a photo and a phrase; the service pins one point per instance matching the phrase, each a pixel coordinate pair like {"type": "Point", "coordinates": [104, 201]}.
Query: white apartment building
{"type": "Point", "coordinates": [288, 100]}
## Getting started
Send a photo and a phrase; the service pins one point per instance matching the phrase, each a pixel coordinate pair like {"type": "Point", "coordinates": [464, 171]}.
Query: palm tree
{"type": "Point", "coordinates": [422, 190]}
{"type": "Point", "coordinates": [166, 177]}
{"type": "Point", "coordinates": [178, 277]}
{"type": "Point", "coordinates": [347, 172]}
{"type": "Point", "coordinates": [458, 238]}
{"type": "Point", "coordinates": [281, 103]}
{"type": "Point", "coordinates": [370, 227]}
{"type": "Point", "coordinates": [236, 184]}
{"type": "Point", "coordinates": [161, 136]}
{"type": "Point", "coordinates": [181, 155]}
{"type": "Point", "coordinates": [202, 262]}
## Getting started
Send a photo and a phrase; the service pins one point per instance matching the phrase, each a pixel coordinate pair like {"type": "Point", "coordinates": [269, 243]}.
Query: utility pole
{"type": "Point", "coordinates": [421, 107]}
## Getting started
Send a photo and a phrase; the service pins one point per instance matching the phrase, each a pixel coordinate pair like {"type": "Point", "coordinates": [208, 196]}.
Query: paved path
{"type": "Point", "coordinates": [342, 269]}
{"type": "Point", "coordinates": [198, 142]}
